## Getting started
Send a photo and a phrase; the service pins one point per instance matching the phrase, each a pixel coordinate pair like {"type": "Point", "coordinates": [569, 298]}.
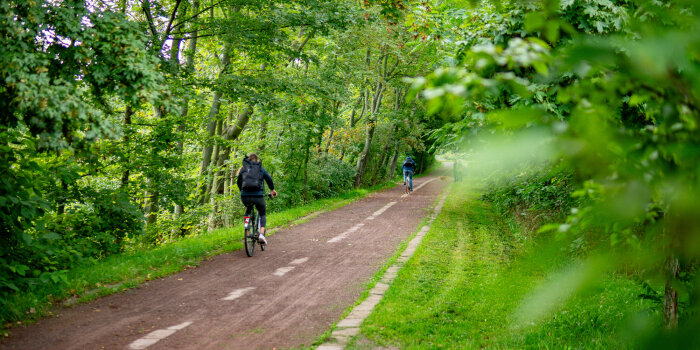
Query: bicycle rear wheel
{"type": "Point", "coordinates": [249, 242]}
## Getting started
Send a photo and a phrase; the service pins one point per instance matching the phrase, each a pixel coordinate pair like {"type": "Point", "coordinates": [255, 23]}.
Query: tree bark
{"type": "Point", "coordinates": [152, 207]}
{"type": "Point", "coordinates": [208, 146]}
{"type": "Point", "coordinates": [328, 144]}
{"type": "Point", "coordinates": [128, 112]}
{"type": "Point", "coordinates": [364, 155]}
{"type": "Point", "coordinates": [392, 167]}
{"type": "Point", "coordinates": [371, 124]}
{"type": "Point", "coordinates": [670, 294]}
{"type": "Point", "coordinates": [380, 166]}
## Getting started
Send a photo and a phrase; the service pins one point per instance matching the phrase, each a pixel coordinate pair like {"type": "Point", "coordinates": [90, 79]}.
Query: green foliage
{"type": "Point", "coordinates": [611, 89]}
{"type": "Point", "coordinates": [537, 196]}
{"type": "Point", "coordinates": [330, 177]}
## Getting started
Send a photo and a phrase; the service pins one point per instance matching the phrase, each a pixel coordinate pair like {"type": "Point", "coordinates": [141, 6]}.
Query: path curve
{"type": "Point", "coordinates": [284, 297]}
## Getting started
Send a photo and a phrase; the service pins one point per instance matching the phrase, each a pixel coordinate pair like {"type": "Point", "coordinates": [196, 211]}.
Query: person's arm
{"type": "Point", "coordinates": [239, 179]}
{"type": "Point", "coordinates": [268, 180]}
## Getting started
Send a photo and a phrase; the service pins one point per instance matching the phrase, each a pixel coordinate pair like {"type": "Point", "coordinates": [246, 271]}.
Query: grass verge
{"type": "Point", "coordinates": [375, 278]}
{"type": "Point", "coordinates": [469, 276]}
{"type": "Point", "coordinates": [128, 270]}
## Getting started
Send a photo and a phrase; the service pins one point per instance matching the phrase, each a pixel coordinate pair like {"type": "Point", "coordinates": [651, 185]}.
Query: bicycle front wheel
{"type": "Point", "coordinates": [249, 242]}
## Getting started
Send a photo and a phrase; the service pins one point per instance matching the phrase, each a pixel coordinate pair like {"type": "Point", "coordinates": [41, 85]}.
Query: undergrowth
{"type": "Point", "coordinates": [464, 284]}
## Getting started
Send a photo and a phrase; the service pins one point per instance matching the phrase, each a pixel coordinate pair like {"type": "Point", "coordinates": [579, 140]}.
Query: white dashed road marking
{"type": "Point", "coordinates": [283, 270]}
{"type": "Point", "coordinates": [380, 211]}
{"type": "Point", "coordinates": [155, 336]}
{"type": "Point", "coordinates": [374, 215]}
{"type": "Point", "coordinates": [299, 261]}
{"type": "Point", "coordinates": [237, 293]}
{"type": "Point", "coordinates": [417, 188]}
{"type": "Point", "coordinates": [342, 236]}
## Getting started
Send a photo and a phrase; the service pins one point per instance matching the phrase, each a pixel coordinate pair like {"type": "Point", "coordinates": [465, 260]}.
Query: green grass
{"type": "Point", "coordinates": [472, 271]}
{"type": "Point", "coordinates": [123, 271]}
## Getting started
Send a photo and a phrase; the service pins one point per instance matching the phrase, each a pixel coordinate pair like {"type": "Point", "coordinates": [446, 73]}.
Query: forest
{"type": "Point", "coordinates": [123, 122]}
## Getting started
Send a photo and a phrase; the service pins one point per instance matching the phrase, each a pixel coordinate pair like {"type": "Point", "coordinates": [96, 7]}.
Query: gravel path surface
{"type": "Point", "coordinates": [283, 297]}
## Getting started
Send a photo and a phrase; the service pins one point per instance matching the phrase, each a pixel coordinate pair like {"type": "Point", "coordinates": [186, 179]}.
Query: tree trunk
{"type": "Point", "coordinates": [364, 155]}
{"type": "Point", "coordinates": [371, 124]}
{"type": "Point", "coordinates": [670, 294]}
{"type": "Point", "coordinates": [151, 207]}
{"type": "Point", "coordinates": [263, 134]}
{"type": "Point", "coordinates": [128, 112]}
{"type": "Point", "coordinates": [208, 147]}
{"type": "Point", "coordinates": [392, 167]}
{"type": "Point", "coordinates": [229, 133]}
{"type": "Point", "coordinates": [306, 174]}
{"type": "Point", "coordinates": [328, 144]}
{"type": "Point", "coordinates": [152, 201]}
{"type": "Point", "coordinates": [379, 168]}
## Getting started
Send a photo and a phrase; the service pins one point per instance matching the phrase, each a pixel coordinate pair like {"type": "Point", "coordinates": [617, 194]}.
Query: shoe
{"type": "Point", "coordinates": [404, 183]}
{"type": "Point", "coordinates": [261, 238]}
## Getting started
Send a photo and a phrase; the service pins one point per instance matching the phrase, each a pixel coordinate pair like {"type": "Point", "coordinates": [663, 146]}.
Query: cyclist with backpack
{"type": "Point", "coordinates": [250, 181]}
{"type": "Point", "coordinates": [409, 167]}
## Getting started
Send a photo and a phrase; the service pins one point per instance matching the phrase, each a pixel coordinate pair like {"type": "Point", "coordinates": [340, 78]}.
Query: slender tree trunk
{"type": "Point", "coordinates": [364, 155]}
{"type": "Point", "coordinates": [670, 294]}
{"type": "Point", "coordinates": [229, 133]}
{"type": "Point", "coordinates": [263, 134]}
{"type": "Point", "coordinates": [152, 206]}
{"type": "Point", "coordinates": [208, 147]}
{"type": "Point", "coordinates": [328, 143]}
{"type": "Point", "coordinates": [128, 112]}
{"type": "Point", "coordinates": [306, 174]}
{"type": "Point", "coordinates": [392, 167]}
{"type": "Point", "coordinates": [371, 124]}
{"type": "Point", "coordinates": [360, 100]}
{"type": "Point", "coordinates": [380, 166]}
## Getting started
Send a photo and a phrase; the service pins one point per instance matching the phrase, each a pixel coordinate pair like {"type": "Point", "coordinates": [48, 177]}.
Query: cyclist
{"type": "Point", "coordinates": [409, 167]}
{"type": "Point", "coordinates": [250, 181]}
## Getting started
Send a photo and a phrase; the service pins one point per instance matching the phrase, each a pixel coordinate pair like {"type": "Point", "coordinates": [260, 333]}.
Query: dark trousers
{"type": "Point", "coordinates": [259, 203]}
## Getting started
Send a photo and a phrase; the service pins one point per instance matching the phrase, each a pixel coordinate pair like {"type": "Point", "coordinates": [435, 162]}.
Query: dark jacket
{"type": "Point", "coordinates": [409, 164]}
{"type": "Point", "coordinates": [266, 177]}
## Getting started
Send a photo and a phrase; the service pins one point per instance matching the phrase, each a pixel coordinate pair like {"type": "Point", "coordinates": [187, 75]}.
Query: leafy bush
{"type": "Point", "coordinates": [329, 176]}
{"type": "Point", "coordinates": [540, 196]}
{"type": "Point", "coordinates": [87, 231]}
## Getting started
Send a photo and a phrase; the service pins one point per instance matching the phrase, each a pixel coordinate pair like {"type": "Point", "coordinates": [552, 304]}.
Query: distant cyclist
{"type": "Point", "coordinates": [250, 182]}
{"type": "Point", "coordinates": [409, 167]}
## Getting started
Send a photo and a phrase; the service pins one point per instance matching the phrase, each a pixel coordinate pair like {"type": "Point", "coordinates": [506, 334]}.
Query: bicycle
{"type": "Point", "coordinates": [406, 184]}
{"type": "Point", "coordinates": [251, 234]}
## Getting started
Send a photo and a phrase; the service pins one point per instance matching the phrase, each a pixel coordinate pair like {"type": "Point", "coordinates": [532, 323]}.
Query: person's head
{"type": "Point", "coordinates": [253, 157]}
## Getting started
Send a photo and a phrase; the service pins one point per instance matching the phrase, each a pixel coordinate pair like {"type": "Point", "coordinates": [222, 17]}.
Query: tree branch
{"type": "Point", "coordinates": [170, 21]}
{"type": "Point", "coordinates": [146, 7]}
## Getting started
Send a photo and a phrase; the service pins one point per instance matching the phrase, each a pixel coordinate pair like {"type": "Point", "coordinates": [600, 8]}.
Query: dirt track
{"type": "Point", "coordinates": [283, 297]}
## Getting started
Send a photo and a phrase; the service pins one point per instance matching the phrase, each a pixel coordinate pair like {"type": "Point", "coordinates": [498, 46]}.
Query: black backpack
{"type": "Point", "coordinates": [409, 162]}
{"type": "Point", "coordinates": [252, 176]}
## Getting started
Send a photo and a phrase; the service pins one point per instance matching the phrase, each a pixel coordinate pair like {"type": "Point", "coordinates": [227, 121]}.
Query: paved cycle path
{"type": "Point", "coordinates": [286, 296]}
